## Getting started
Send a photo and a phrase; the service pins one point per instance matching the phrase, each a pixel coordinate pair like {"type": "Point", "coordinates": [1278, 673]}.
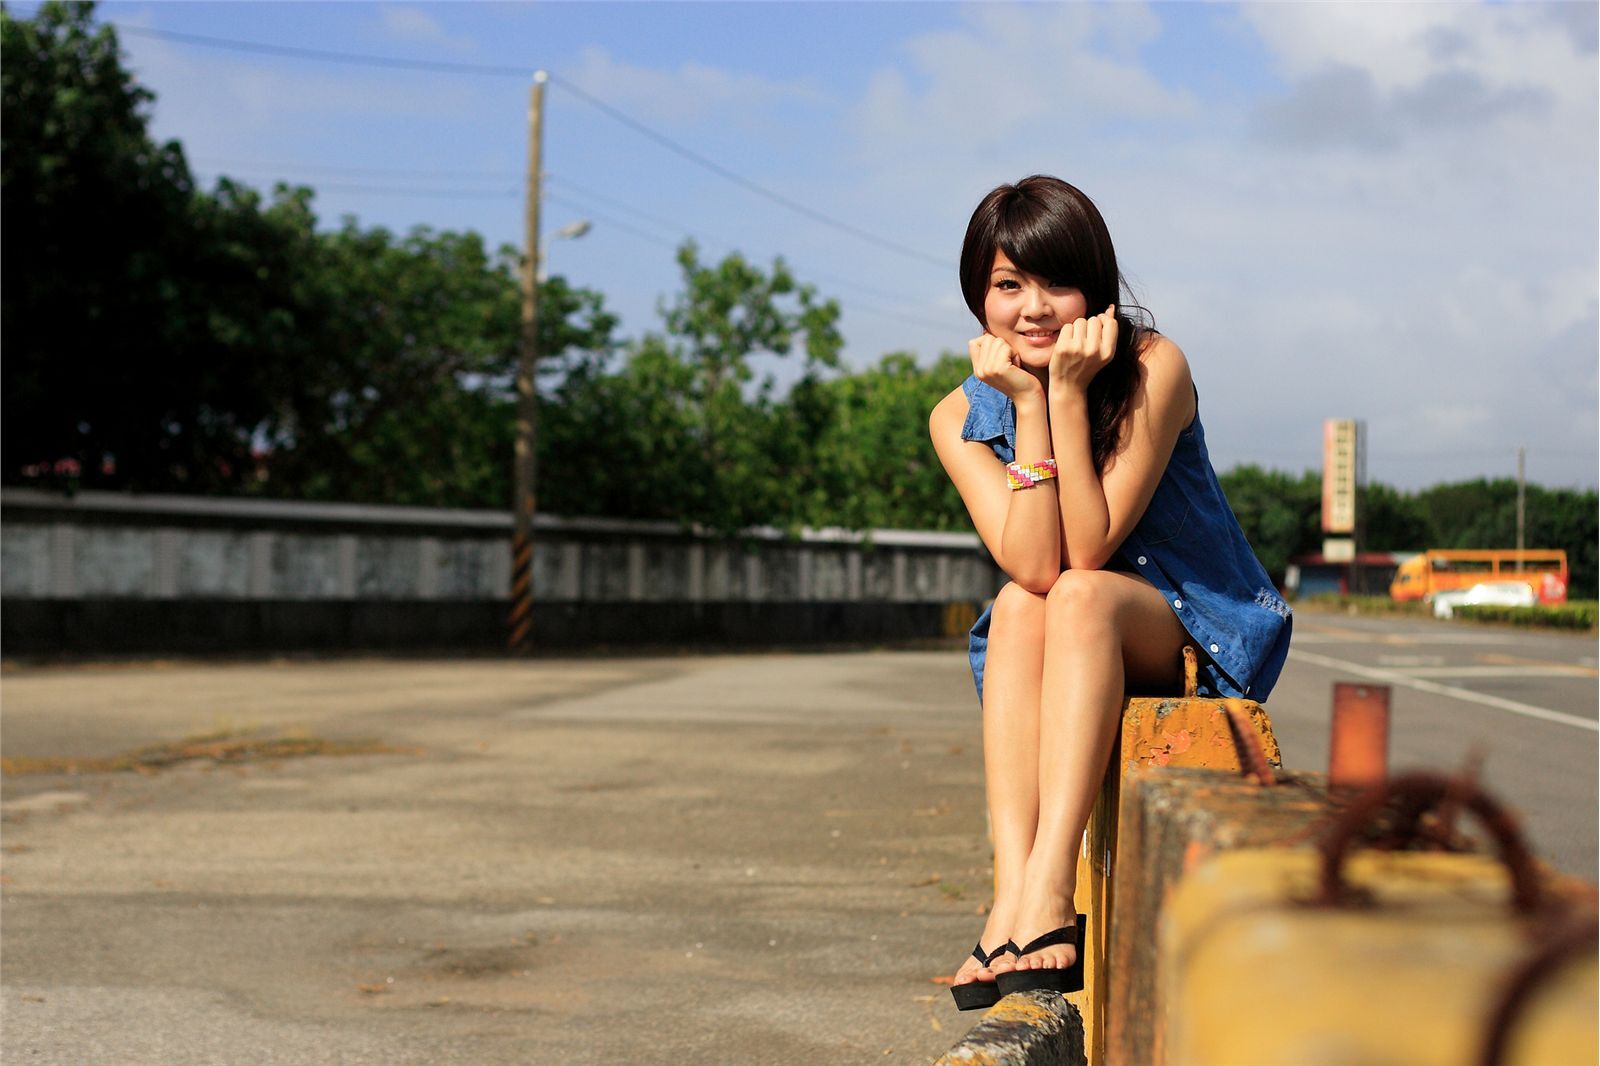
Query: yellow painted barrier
{"type": "Point", "coordinates": [1255, 969]}
{"type": "Point", "coordinates": [1185, 731]}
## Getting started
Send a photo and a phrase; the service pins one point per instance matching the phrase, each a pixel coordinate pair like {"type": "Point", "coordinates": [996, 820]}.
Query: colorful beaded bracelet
{"type": "Point", "coordinates": [1027, 475]}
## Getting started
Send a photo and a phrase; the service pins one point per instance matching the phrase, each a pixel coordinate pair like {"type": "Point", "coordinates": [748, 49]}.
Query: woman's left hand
{"type": "Point", "coordinates": [1083, 349]}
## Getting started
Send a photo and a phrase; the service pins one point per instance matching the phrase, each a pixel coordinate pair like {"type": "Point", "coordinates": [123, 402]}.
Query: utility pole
{"type": "Point", "coordinates": [1522, 488]}
{"type": "Point", "coordinates": [525, 472]}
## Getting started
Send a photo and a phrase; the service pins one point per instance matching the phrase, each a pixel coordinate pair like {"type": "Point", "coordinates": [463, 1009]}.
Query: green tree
{"type": "Point", "coordinates": [874, 466]}
{"type": "Point", "coordinates": [158, 336]}
{"type": "Point", "coordinates": [685, 430]}
{"type": "Point", "coordinates": [93, 313]}
{"type": "Point", "coordinates": [410, 397]}
{"type": "Point", "coordinates": [1483, 514]}
{"type": "Point", "coordinates": [1279, 513]}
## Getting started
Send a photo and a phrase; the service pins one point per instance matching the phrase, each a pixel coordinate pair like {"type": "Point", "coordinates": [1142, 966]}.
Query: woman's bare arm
{"type": "Point", "coordinates": [1100, 508]}
{"type": "Point", "coordinates": [1020, 529]}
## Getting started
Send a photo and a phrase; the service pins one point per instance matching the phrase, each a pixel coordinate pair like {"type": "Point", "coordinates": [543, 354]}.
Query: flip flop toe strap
{"type": "Point", "coordinates": [1067, 934]}
{"type": "Point", "coordinates": [987, 957]}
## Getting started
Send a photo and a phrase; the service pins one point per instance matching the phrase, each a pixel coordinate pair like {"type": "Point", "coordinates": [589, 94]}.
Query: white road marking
{"type": "Point", "coordinates": [1407, 639]}
{"type": "Point", "coordinates": [1395, 677]}
{"type": "Point", "coordinates": [1553, 670]}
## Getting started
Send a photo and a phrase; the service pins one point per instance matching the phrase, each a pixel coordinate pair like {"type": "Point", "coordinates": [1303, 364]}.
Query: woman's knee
{"type": "Point", "coordinates": [1014, 605]}
{"type": "Point", "coordinates": [1079, 595]}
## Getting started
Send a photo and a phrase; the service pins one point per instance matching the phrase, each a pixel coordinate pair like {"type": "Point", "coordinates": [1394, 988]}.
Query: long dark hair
{"type": "Point", "coordinates": [1049, 228]}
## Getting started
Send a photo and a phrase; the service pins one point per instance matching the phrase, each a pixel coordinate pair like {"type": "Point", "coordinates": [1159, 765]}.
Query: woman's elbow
{"type": "Point", "coordinates": [1039, 581]}
{"type": "Point", "coordinates": [1087, 561]}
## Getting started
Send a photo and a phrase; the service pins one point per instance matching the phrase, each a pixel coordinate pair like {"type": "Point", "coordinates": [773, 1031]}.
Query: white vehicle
{"type": "Point", "coordinates": [1490, 593]}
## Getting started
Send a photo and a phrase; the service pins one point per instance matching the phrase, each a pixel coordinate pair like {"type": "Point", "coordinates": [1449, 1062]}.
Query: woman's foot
{"type": "Point", "coordinates": [972, 970]}
{"type": "Point", "coordinates": [996, 933]}
{"type": "Point", "coordinates": [1042, 910]}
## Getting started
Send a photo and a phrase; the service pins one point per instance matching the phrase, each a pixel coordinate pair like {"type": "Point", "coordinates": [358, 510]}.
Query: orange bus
{"type": "Point", "coordinates": [1439, 569]}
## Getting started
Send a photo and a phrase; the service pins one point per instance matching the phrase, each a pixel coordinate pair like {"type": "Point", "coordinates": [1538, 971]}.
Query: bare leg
{"type": "Point", "coordinates": [1102, 630]}
{"type": "Point", "coordinates": [1011, 687]}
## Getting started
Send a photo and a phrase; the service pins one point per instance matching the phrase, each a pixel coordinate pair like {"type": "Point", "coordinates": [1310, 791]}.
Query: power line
{"type": "Point", "coordinates": [743, 182]}
{"type": "Point", "coordinates": [396, 190]}
{"type": "Point", "coordinates": [324, 55]}
{"type": "Point", "coordinates": [381, 172]}
{"type": "Point", "coordinates": [584, 191]}
{"type": "Point", "coordinates": [574, 197]}
{"type": "Point", "coordinates": [328, 56]}
{"type": "Point", "coordinates": [852, 304]}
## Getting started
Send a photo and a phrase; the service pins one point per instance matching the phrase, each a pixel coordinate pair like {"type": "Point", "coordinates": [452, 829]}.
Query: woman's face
{"type": "Point", "coordinates": [1027, 311]}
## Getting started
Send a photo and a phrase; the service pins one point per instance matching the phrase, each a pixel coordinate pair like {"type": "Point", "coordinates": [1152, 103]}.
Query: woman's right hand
{"type": "Point", "coordinates": [996, 365]}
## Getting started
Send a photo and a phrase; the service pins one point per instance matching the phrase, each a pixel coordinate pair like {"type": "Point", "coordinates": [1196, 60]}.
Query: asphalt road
{"type": "Point", "coordinates": [1525, 701]}
{"type": "Point", "coordinates": [741, 859]}
{"type": "Point", "coordinates": [747, 859]}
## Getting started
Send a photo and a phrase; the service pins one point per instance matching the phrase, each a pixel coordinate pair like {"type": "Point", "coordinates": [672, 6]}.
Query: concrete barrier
{"type": "Point", "coordinates": [1266, 955]}
{"type": "Point", "coordinates": [115, 573]}
{"type": "Point", "coordinates": [1255, 969]}
{"type": "Point", "coordinates": [1223, 738]}
{"type": "Point", "coordinates": [1024, 1029]}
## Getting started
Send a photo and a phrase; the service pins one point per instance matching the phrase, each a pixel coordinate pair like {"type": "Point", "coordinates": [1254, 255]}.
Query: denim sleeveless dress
{"type": "Point", "coordinates": [1188, 544]}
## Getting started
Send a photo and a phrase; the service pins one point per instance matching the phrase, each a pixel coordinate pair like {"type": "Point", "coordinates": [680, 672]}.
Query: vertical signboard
{"type": "Point", "coordinates": [1340, 454]}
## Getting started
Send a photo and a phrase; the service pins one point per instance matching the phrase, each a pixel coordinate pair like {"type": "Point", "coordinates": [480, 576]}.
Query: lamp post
{"type": "Point", "coordinates": [520, 620]}
{"type": "Point", "coordinates": [570, 232]}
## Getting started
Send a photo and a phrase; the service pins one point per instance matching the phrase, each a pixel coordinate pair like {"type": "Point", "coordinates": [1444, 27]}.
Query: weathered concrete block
{"type": "Point", "coordinates": [605, 571]}
{"type": "Point", "coordinates": [213, 563]}
{"type": "Point", "coordinates": [1255, 971]}
{"type": "Point", "coordinates": [115, 562]}
{"type": "Point", "coordinates": [305, 567]}
{"type": "Point", "coordinates": [1157, 735]}
{"type": "Point", "coordinates": [1170, 820]}
{"type": "Point", "coordinates": [465, 570]}
{"type": "Point", "coordinates": [830, 575]}
{"type": "Point", "coordinates": [666, 572]}
{"type": "Point", "coordinates": [1024, 1029]}
{"type": "Point", "coordinates": [25, 560]}
{"type": "Point", "coordinates": [387, 568]}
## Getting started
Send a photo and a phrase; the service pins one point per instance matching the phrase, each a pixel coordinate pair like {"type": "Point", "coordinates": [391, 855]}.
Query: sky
{"type": "Point", "coordinates": [1385, 212]}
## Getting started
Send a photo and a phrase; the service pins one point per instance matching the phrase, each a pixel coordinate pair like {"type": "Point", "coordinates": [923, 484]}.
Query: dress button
{"type": "Point", "coordinates": [1178, 604]}
{"type": "Point", "coordinates": [1142, 560]}
{"type": "Point", "coordinates": [1215, 649]}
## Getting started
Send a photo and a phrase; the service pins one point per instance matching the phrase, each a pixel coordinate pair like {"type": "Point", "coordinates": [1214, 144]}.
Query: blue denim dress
{"type": "Point", "coordinates": [1188, 544]}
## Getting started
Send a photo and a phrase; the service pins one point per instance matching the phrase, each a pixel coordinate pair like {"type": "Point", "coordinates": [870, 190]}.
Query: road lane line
{"type": "Point", "coordinates": [1465, 670]}
{"type": "Point", "coordinates": [1394, 677]}
{"type": "Point", "coordinates": [1396, 639]}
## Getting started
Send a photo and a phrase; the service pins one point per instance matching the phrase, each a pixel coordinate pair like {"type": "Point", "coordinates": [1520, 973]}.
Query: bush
{"type": "Point", "coordinates": [1364, 604]}
{"type": "Point", "coordinates": [1577, 614]}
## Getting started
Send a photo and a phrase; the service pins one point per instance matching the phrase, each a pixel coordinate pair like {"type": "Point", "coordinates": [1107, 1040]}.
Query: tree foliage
{"type": "Point", "coordinates": [159, 337]}
{"type": "Point", "coordinates": [686, 430]}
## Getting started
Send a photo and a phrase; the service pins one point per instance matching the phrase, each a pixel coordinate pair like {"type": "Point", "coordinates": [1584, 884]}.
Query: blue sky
{"type": "Point", "coordinates": [1377, 211]}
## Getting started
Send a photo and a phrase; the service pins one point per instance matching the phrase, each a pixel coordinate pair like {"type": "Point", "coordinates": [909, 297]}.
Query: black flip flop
{"type": "Point", "coordinates": [1055, 979]}
{"type": "Point", "coordinates": [976, 994]}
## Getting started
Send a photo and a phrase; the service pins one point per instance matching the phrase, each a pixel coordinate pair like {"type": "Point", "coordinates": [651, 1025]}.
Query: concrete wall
{"type": "Point", "coordinates": [108, 572]}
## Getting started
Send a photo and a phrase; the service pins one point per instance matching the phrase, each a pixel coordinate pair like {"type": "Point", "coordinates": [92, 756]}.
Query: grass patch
{"type": "Point", "coordinates": [1575, 614]}
{"type": "Point", "coordinates": [215, 748]}
{"type": "Point", "coordinates": [1333, 601]}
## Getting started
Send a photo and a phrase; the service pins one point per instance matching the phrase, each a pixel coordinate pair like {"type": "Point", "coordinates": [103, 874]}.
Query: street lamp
{"type": "Point", "coordinates": [571, 231]}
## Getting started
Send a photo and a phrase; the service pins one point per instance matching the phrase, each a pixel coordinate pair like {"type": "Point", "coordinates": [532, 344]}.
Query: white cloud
{"type": "Point", "coordinates": [1403, 233]}
{"type": "Point", "coordinates": [690, 94]}
{"type": "Point", "coordinates": [1019, 80]}
{"type": "Point", "coordinates": [412, 24]}
{"type": "Point", "coordinates": [1374, 76]}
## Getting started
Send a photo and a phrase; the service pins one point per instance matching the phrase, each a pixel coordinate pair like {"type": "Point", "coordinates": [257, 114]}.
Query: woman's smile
{"type": "Point", "coordinates": [1027, 311]}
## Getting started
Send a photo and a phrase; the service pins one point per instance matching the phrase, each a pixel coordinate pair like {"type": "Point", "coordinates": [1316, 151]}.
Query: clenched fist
{"type": "Point", "coordinates": [995, 364]}
{"type": "Point", "coordinates": [1083, 349]}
